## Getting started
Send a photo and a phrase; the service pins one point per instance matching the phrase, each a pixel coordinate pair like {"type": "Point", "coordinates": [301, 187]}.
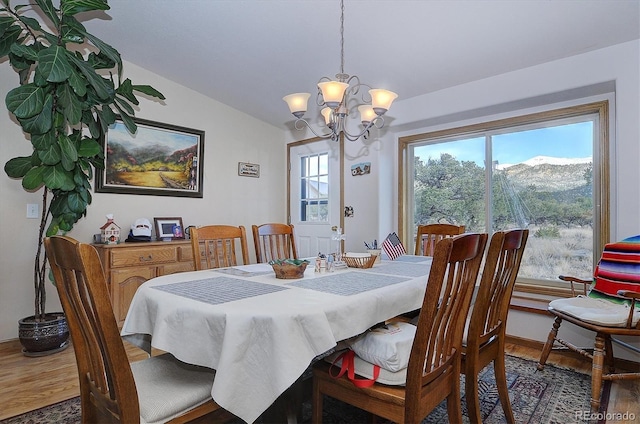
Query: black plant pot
{"type": "Point", "coordinates": [43, 337]}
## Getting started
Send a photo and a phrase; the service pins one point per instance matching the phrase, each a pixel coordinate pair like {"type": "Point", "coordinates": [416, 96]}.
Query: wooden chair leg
{"type": "Point", "coordinates": [316, 403]}
{"type": "Point", "coordinates": [608, 354]}
{"type": "Point", "coordinates": [471, 391]}
{"type": "Point", "coordinates": [500, 371]}
{"type": "Point", "coordinates": [546, 350]}
{"type": "Point", "coordinates": [454, 408]}
{"type": "Point", "coordinates": [596, 372]}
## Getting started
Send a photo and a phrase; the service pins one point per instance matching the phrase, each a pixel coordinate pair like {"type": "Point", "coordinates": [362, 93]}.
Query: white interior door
{"type": "Point", "coordinates": [315, 201]}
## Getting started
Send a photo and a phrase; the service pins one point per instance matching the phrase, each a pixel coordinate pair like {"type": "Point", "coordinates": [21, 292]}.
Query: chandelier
{"type": "Point", "coordinates": [337, 96]}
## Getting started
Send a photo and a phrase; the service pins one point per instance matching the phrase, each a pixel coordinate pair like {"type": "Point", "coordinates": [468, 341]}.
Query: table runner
{"type": "Point", "coordinates": [348, 283]}
{"type": "Point", "coordinates": [218, 290]}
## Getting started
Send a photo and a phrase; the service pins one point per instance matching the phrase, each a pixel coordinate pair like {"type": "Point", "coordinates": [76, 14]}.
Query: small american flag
{"type": "Point", "coordinates": [393, 247]}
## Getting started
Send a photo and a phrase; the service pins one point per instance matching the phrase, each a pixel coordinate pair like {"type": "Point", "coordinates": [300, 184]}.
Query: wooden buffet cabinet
{"type": "Point", "coordinates": [128, 265]}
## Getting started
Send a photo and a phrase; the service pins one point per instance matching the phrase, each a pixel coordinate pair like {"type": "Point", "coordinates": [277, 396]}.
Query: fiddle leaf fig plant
{"type": "Point", "coordinates": [70, 89]}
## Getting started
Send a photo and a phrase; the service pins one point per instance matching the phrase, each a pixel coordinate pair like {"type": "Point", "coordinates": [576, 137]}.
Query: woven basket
{"type": "Point", "coordinates": [359, 261]}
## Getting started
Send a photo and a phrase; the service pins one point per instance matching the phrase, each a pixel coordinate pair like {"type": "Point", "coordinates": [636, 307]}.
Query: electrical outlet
{"type": "Point", "coordinates": [32, 210]}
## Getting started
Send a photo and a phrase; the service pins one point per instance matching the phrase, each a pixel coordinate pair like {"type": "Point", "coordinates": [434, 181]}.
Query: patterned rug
{"type": "Point", "coordinates": [553, 395]}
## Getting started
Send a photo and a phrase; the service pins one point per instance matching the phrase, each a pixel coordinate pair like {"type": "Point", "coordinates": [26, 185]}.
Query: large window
{"type": "Point", "coordinates": [314, 188]}
{"type": "Point", "coordinates": [546, 172]}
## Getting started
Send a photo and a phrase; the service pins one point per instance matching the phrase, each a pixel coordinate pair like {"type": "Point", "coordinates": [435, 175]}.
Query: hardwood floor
{"type": "Point", "coordinates": [30, 383]}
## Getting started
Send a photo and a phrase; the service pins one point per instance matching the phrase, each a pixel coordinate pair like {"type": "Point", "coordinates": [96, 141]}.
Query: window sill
{"type": "Point", "coordinates": [530, 305]}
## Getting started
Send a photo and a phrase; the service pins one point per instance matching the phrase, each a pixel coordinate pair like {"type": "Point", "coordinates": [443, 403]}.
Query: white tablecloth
{"type": "Point", "coordinates": [260, 333]}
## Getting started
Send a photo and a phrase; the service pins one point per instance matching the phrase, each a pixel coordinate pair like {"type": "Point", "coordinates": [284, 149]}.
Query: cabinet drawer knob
{"type": "Point", "coordinates": [146, 259]}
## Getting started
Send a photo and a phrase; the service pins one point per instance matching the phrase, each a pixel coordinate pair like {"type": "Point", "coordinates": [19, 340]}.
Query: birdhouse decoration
{"type": "Point", "coordinates": [110, 232]}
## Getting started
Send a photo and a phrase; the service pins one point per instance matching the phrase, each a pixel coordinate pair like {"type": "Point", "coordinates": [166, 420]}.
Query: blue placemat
{"type": "Point", "coordinates": [348, 283]}
{"type": "Point", "coordinates": [241, 272]}
{"type": "Point", "coordinates": [400, 268]}
{"type": "Point", "coordinates": [219, 290]}
{"type": "Point", "coordinates": [412, 258]}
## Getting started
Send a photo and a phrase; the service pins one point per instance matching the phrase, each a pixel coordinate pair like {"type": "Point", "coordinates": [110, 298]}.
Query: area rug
{"type": "Point", "coordinates": [553, 395]}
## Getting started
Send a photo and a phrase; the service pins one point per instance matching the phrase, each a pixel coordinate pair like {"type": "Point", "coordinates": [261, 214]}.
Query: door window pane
{"type": "Point", "coordinates": [314, 188]}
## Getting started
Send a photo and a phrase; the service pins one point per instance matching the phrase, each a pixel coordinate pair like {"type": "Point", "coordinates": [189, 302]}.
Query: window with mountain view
{"type": "Point", "coordinates": [535, 174]}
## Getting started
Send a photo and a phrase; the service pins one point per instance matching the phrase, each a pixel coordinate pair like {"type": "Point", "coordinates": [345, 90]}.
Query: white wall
{"type": "Point", "coordinates": [230, 137]}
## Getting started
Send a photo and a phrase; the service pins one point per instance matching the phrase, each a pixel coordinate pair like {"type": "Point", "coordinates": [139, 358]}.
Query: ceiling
{"type": "Point", "coordinates": [248, 54]}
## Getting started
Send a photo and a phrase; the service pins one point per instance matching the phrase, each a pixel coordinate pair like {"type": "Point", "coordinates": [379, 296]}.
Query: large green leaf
{"type": "Point", "coordinates": [7, 39]}
{"type": "Point", "coordinates": [49, 10]}
{"type": "Point", "coordinates": [78, 83]}
{"type": "Point", "coordinates": [53, 64]}
{"type": "Point", "coordinates": [18, 167]}
{"type": "Point", "coordinates": [76, 203]}
{"type": "Point", "coordinates": [128, 122]}
{"type": "Point", "coordinates": [123, 105]}
{"type": "Point", "coordinates": [71, 105]}
{"type": "Point", "coordinates": [34, 178]}
{"type": "Point", "coordinates": [68, 151]}
{"type": "Point", "coordinates": [89, 148]}
{"type": "Point", "coordinates": [57, 177]}
{"type": "Point", "coordinates": [32, 23]}
{"type": "Point", "coordinates": [42, 122]}
{"type": "Point", "coordinates": [149, 91]}
{"type": "Point", "coordinates": [51, 155]}
{"type": "Point", "coordinates": [43, 141]}
{"type": "Point", "coordinates": [71, 7]}
{"type": "Point", "coordinates": [98, 83]}
{"type": "Point", "coordinates": [25, 101]}
{"type": "Point", "coordinates": [107, 50]}
{"type": "Point", "coordinates": [29, 52]}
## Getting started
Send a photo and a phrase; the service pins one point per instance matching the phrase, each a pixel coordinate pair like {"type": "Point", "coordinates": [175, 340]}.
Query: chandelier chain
{"type": "Point", "coordinates": [342, 36]}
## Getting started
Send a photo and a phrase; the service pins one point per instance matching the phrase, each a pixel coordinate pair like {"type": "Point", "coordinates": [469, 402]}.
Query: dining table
{"type": "Point", "coordinates": [259, 332]}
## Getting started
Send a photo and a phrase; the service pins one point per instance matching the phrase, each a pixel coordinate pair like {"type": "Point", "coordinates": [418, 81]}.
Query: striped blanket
{"type": "Point", "coordinates": [618, 269]}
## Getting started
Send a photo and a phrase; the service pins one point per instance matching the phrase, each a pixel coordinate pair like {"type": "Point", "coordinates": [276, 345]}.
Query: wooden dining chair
{"type": "Point", "coordinates": [155, 390]}
{"type": "Point", "coordinates": [430, 234]}
{"type": "Point", "coordinates": [433, 373]}
{"type": "Point", "coordinates": [215, 246]}
{"type": "Point", "coordinates": [274, 241]}
{"type": "Point", "coordinates": [609, 309]}
{"type": "Point", "coordinates": [487, 323]}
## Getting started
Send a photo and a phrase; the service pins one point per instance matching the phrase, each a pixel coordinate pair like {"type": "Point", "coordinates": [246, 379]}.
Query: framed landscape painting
{"type": "Point", "coordinates": [159, 159]}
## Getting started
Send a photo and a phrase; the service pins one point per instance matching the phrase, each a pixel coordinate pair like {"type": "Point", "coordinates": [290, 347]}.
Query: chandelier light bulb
{"type": "Point", "coordinates": [326, 112]}
{"type": "Point", "coordinates": [367, 114]}
{"type": "Point", "coordinates": [381, 100]}
{"type": "Point", "coordinates": [297, 103]}
{"type": "Point", "coordinates": [333, 92]}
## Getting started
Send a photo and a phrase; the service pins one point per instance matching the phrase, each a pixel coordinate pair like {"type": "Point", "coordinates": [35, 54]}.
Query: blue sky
{"type": "Point", "coordinates": [566, 141]}
{"type": "Point", "coordinates": [149, 136]}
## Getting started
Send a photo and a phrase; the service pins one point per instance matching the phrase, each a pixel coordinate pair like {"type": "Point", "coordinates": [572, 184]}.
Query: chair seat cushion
{"type": "Point", "coordinates": [168, 388]}
{"type": "Point", "coordinates": [595, 311]}
{"type": "Point", "coordinates": [365, 369]}
{"type": "Point", "coordinates": [388, 346]}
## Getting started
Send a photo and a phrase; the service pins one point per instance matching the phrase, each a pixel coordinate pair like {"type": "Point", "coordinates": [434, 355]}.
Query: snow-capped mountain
{"type": "Point", "coordinates": [548, 160]}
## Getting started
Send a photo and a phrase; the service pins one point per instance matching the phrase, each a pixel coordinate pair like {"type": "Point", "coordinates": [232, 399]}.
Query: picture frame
{"type": "Point", "coordinates": [246, 169]}
{"type": "Point", "coordinates": [168, 228]}
{"type": "Point", "coordinates": [159, 159]}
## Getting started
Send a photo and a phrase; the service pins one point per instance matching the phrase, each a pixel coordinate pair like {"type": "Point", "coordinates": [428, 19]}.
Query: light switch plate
{"type": "Point", "coordinates": [32, 210]}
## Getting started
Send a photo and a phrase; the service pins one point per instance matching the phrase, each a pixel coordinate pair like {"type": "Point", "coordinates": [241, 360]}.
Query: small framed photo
{"type": "Point", "coordinates": [168, 228]}
{"type": "Point", "coordinates": [248, 169]}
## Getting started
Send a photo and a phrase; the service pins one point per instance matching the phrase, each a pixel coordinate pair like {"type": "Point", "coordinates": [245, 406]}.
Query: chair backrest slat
{"type": "Point", "coordinates": [438, 341]}
{"type": "Point", "coordinates": [214, 246]}
{"type": "Point", "coordinates": [274, 241]}
{"type": "Point", "coordinates": [107, 388]}
{"type": "Point", "coordinates": [430, 234]}
{"type": "Point", "coordinates": [499, 275]}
